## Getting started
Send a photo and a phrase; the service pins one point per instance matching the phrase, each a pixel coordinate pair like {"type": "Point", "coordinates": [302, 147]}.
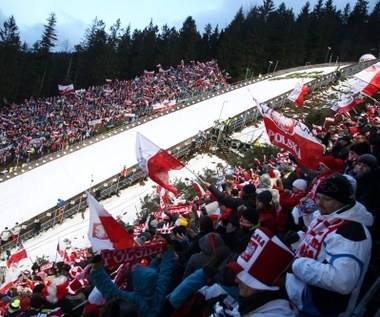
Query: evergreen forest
{"type": "Point", "coordinates": [260, 40]}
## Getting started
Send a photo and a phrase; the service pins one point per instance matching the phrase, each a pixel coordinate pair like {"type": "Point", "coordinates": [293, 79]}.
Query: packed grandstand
{"type": "Point", "coordinates": [278, 194]}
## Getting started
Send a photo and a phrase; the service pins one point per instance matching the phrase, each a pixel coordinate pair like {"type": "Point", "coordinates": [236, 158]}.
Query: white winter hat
{"type": "Point", "coordinates": [300, 184]}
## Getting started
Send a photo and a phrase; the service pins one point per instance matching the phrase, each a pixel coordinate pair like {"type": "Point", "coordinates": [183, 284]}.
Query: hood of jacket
{"type": "Point", "coordinates": [210, 242]}
{"type": "Point", "coordinates": [357, 213]}
{"type": "Point", "coordinates": [145, 280]}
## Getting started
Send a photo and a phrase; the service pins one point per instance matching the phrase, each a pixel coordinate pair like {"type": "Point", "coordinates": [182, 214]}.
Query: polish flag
{"type": "Point", "coordinates": [317, 129]}
{"type": "Point", "coordinates": [17, 257]}
{"type": "Point", "coordinates": [62, 251]}
{"type": "Point", "coordinates": [201, 192]}
{"type": "Point", "coordinates": [5, 287]}
{"type": "Point", "coordinates": [156, 162]}
{"type": "Point", "coordinates": [105, 233]}
{"type": "Point", "coordinates": [66, 89]}
{"type": "Point", "coordinates": [298, 94]}
{"type": "Point", "coordinates": [164, 198]}
{"type": "Point", "coordinates": [345, 105]}
{"type": "Point", "coordinates": [370, 78]}
{"type": "Point", "coordinates": [292, 136]}
{"type": "Point", "coordinates": [329, 120]}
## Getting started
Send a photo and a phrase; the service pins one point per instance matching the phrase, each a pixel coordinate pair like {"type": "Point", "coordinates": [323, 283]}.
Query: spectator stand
{"type": "Point", "coordinates": [111, 186]}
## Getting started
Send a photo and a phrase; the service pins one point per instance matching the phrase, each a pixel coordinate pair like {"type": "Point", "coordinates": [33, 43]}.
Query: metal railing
{"type": "Point", "coordinates": [113, 184]}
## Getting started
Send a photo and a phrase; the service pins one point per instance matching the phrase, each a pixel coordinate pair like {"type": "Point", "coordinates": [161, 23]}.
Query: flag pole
{"type": "Point", "coordinates": [56, 251]}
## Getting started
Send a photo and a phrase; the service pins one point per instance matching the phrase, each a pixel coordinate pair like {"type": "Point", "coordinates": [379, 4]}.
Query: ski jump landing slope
{"type": "Point", "coordinates": [33, 192]}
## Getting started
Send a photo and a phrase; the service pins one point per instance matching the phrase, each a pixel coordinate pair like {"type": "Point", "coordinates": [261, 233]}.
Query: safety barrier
{"type": "Point", "coordinates": [115, 183]}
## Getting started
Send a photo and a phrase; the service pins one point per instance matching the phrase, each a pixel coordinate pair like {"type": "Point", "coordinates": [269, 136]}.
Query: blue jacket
{"type": "Point", "coordinates": [191, 284]}
{"type": "Point", "coordinates": [150, 286]}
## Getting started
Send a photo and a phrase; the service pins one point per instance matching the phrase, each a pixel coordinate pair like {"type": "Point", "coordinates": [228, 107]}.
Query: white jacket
{"type": "Point", "coordinates": [341, 263]}
{"type": "Point", "coordinates": [273, 308]}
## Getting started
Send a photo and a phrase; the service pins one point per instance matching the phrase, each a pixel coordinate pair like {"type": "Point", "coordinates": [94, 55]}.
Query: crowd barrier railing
{"type": "Point", "coordinates": [115, 183]}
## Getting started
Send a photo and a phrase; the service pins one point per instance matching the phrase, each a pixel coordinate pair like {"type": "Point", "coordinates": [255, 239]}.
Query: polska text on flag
{"type": "Point", "coordinates": [293, 136]}
{"type": "Point", "coordinates": [156, 162]}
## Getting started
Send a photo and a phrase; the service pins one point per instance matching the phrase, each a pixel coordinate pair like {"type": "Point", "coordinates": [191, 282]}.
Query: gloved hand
{"type": "Point", "coordinates": [291, 237]}
{"type": "Point", "coordinates": [97, 262]}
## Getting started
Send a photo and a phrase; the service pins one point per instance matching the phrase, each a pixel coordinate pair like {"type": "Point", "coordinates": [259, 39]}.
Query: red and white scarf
{"type": "Point", "coordinates": [311, 245]}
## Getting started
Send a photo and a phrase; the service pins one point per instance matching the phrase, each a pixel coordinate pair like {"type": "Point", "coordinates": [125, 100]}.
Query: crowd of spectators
{"type": "Point", "coordinates": [217, 249]}
{"type": "Point", "coordinates": [41, 126]}
{"type": "Point", "coordinates": [276, 240]}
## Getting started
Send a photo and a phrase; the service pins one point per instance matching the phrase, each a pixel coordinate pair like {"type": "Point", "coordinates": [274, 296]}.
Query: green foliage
{"type": "Point", "coordinates": [317, 116]}
{"type": "Point", "coordinates": [43, 259]}
{"type": "Point", "coordinates": [244, 48]}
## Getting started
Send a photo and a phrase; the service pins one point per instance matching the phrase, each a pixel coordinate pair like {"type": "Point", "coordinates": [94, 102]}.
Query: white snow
{"type": "Point", "coordinates": [35, 191]}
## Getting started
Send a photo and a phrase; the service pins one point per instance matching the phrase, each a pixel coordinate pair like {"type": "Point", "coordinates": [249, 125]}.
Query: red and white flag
{"type": "Point", "coordinates": [293, 136]}
{"type": "Point", "coordinates": [105, 233]}
{"type": "Point", "coordinates": [156, 162]}
{"type": "Point", "coordinates": [370, 78]}
{"type": "Point", "coordinates": [329, 120]}
{"type": "Point", "coordinates": [164, 197]}
{"type": "Point", "coordinates": [200, 191]}
{"type": "Point", "coordinates": [317, 129]}
{"type": "Point", "coordinates": [345, 105]}
{"type": "Point", "coordinates": [66, 89]}
{"type": "Point", "coordinates": [298, 94]}
{"type": "Point", "coordinates": [62, 251]}
{"type": "Point", "coordinates": [17, 257]}
{"type": "Point", "coordinates": [5, 287]}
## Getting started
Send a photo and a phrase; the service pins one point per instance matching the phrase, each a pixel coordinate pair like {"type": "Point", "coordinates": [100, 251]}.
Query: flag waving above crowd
{"type": "Point", "coordinates": [105, 233]}
{"type": "Point", "coordinates": [66, 89]}
{"type": "Point", "coordinates": [370, 79]}
{"type": "Point", "coordinates": [156, 162]}
{"type": "Point", "coordinates": [293, 136]}
{"type": "Point", "coordinates": [17, 257]}
{"type": "Point", "coordinates": [298, 94]}
{"type": "Point", "coordinates": [346, 104]}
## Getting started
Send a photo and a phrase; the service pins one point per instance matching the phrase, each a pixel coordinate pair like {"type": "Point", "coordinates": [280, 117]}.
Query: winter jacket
{"type": "Point", "coordinates": [267, 219]}
{"type": "Point", "coordinates": [331, 262]}
{"type": "Point", "coordinates": [233, 203]}
{"type": "Point", "coordinates": [208, 244]}
{"type": "Point", "coordinates": [368, 189]}
{"type": "Point", "coordinates": [268, 303]}
{"type": "Point", "coordinates": [150, 287]}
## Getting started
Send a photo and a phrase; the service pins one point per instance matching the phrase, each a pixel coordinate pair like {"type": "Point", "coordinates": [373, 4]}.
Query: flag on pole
{"type": "Point", "coordinates": [164, 197]}
{"type": "Point", "coordinates": [17, 257]}
{"type": "Point", "coordinates": [345, 105]}
{"type": "Point", "coordinates": [370, 78]}
{"type": "Point", "coordinates": [200, 191]}
{"type": "Point", "coordinates": [62, 251]}
{"type": "Point", "coordinates": [293, 136]}
{"type": "Point", "coordinates": [105, 233]}
{"type": "Point", "coordinates": [66, 89]}
{"type": "Point", "coordinates": [156, 162]}
{"type": "Point", "coordinates": [298, 94]}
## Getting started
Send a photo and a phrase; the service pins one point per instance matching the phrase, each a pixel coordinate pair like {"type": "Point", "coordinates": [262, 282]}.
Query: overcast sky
{"type": "Point", "coordinates": [73, 17]}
